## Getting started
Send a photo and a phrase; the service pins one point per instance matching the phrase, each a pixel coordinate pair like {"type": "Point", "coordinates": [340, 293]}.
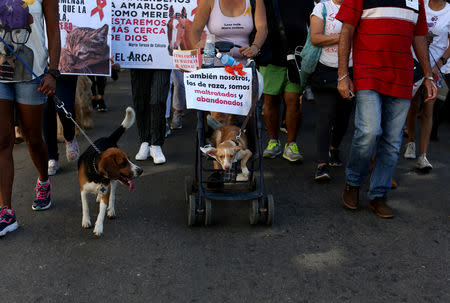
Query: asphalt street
{"type": "Point", "coordinates": [316, 251]}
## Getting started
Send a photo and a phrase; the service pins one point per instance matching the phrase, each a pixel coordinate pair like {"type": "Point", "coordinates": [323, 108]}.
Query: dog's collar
{"type": "Point", "coordinates": [94, 165]}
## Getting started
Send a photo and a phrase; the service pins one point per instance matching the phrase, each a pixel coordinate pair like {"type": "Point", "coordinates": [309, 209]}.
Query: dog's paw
{"type": "Point", "coordinates": [86, 223]}
{"type": "Point", "coordinates": [98, 230]}
{"type": "Point", "coordinates": [242, 177]}
{"type": "Point", "coordinates": [111, 214]}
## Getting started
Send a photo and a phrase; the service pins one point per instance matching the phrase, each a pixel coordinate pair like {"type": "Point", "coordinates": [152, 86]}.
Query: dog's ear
{"type": "Point", "coordinates": [109, 167]}
{"type": "Point", "coordinates": [212, 153]}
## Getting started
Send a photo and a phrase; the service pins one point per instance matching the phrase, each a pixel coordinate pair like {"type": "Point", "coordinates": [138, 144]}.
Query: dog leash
{"type": "Point", "coordinates": [255, 91]}
{"type": "Point", "coordinates": [59, 103]}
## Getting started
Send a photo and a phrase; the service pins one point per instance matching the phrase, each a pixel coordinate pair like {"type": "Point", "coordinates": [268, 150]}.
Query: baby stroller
{"type": "Point", "coordinates": [208, 184]}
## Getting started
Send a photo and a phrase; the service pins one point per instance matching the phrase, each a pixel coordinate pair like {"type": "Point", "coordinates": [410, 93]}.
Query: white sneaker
{"type": "Point", "coordinates": [52, 167]}
{"type": "Point", "coordinates": [72, 150]}
{"type": "Point", "coordinates": [157, 154]}
{"type": "Point", "coordinates": [410, 152]}
{"type": "Point", "coordinates": [144, 152]}
{"type": "Point", "coordinates": [423, 163]}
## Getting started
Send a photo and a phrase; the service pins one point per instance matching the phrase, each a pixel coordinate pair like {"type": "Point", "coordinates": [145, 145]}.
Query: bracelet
{"type": "Point", "coordinates": [343, 77]}
{"type": "Point", "coordinates": [259, 50]}
{"type": "Point", "coordinates": [429, 78]}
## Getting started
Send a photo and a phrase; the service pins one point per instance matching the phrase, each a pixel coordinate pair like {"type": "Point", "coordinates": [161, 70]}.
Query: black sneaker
{"type": "Point", "coordinates": [8, 222]}
{"type": "Point", "coordinates": [94, 103]}
{"type": "Point", "coordinates": [334, 159]}
{"type": "Point", "coordinates": [322, 173]}
{"type": "Point", "coordinates": [42, 201]}
{"type": "Point", "coordinates": [101, 105]}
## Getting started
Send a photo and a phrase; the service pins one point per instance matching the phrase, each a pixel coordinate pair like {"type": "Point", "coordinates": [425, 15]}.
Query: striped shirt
{"type": "Point", "coordinates": [382, 58]}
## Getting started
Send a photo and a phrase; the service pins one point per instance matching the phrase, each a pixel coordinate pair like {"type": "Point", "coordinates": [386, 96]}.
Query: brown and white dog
{"type": "Point", "coordinates": [99, 174]}
{"type": "Point", "coordinates": [228, 150]}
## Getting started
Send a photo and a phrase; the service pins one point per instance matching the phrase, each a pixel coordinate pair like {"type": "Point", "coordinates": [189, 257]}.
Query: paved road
{"type": "Point", "coordinates": [316, 251]}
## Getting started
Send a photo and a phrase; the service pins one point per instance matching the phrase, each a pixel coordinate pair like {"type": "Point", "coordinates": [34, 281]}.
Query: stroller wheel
{"type": "Point", "coordinates": [188, 187]}
{"type": "Point", "coordinates": [208, 212]}
{"type": "Point", "coordinates": [191, 211]}
{"type": "Point", "coordinates": [270, 210]}
{"type": "Point", "coordinates": [254, 212]}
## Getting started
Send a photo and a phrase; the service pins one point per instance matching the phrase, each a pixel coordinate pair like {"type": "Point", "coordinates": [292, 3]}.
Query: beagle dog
{"type": "Point", "coordinates": [99, 173]}
{"type": "Point", "coordinates": [228, 149]}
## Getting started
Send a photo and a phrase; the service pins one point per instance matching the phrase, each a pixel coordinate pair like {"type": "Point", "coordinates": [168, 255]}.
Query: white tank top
{"type": "Point", "coordinates": [233, 29]}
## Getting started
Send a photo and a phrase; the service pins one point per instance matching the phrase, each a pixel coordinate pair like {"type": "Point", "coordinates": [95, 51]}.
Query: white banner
{"type": "Point", "coordinates": [216, 90]}
{"type": "Point", "coordinates": [146, 32]}
{"type": "Point", "coordinates": [85, 37]}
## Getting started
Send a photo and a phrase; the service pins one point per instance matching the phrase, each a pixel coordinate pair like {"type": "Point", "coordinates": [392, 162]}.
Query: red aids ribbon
{"type": "Point", "coordinates": [99, 9]}
{"type": "Point", "coordinates": [195, 9]}
{"type": "Point", "coordinates": [238, 68]}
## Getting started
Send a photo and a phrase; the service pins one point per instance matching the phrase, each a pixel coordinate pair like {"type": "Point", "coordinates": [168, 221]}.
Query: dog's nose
{"type": "Point", "coordinates": [139, 171]}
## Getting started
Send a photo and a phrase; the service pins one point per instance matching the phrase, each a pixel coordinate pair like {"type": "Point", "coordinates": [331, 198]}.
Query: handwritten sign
{"type": "Point", "coordinates": [188, 60]}
{"type": "Point", "coordinates": [216, 90]}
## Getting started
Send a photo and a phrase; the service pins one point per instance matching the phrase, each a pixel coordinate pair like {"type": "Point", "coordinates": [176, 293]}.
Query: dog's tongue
{"type": "Point", "coordinates": [131, 184]}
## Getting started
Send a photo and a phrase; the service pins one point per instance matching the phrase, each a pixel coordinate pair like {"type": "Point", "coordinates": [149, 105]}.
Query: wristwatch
{"type": "Point", "coordinates": [54, 73]}
{"type": "Point", "coordinates": [444, 61]}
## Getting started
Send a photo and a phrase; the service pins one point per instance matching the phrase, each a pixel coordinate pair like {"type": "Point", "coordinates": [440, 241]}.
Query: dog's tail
{"type": "Point", "coordinates": [128, 121]}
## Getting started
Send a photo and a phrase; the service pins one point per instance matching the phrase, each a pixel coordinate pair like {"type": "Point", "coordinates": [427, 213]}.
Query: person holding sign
{"type": "Point", "coordinates": [22, 32]}
{"type": "Point", "coordinates": [231, 20]}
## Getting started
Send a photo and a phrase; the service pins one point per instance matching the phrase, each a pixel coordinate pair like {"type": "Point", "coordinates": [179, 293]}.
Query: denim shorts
{"type": "Point", "coordinates": [24, 92]}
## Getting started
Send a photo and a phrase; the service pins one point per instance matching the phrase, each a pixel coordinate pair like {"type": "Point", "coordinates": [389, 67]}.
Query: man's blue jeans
{"type": "Point", "coordinates": [379, 121]}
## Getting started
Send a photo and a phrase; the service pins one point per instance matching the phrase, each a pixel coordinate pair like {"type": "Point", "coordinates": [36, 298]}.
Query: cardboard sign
{"type": "Point", "coordinates": [215, 90]}
{"type": "Point", "coordinates": [85, 37]}
{"type": "Point", "coordinates": [187, 60]}
{"type": "Point", "coordinates": [145, 33]}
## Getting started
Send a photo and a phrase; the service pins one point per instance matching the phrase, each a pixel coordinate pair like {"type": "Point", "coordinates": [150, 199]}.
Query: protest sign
{"type": "Point", "coordinates": [145, 33]}
{"type": "Point", "coordinates": [215, 90]}
{"type": "Point", "coordinates": [187, 60]}
{"type": "Point", "coordinates": [85, 37]}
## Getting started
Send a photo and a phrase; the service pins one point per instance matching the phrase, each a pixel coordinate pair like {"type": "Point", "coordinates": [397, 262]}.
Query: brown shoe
{"type": "Point", "coordinates": [379, 206]}
{"type": "Point", "coordinates": [394, 184]}
{"type": "Point", "coordinates": [350, 197]}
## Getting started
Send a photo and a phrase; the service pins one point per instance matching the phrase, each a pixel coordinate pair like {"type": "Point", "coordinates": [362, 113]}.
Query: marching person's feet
{"type": "Point", "coordinates": [334, 159]}
{"type": "Point", "coordinates": [72, 150]}
{"type": "Point", "coordinates": [94, 103]}
{"type": "Point", "coordinates": [53, 167]}
{"type": "Point", "coordinates": [144, 152]}
{"type": "Point", "coordinates": [19, 138]}
{"type": "Point", "coordinates": [380, 208]}
{"type": "Point", "coordinates": [410, 152]}
{"type": "Point", "coordinates": [322, 173]}
{"type": "Point", "coordinates": [350, 197]}
{"type": "Point", "coordinates": [273, 149]}
{"type": "Point", "coordinates": [291, 152]}
{"type": "Point", "coordinates": [177, 120]}
{"type": "Point", "coordinates": [101, 105]}
{"type": "Point", "coordinates": [157, 154]}
{"type": "Point", "coordinates": [42, 191]}
{"type": "Point", "coordinates": [8, 222]}
{"type": "Point", "coordinates": [423, 164]}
